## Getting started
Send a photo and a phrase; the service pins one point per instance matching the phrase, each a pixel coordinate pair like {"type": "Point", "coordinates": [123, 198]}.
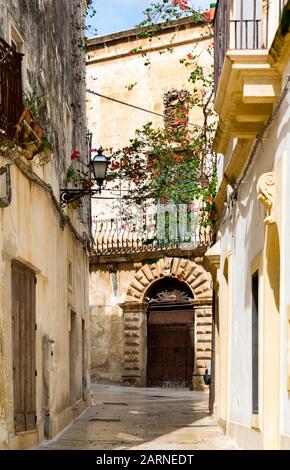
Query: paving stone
{"type": "Point", "coordinates": [145, 423]}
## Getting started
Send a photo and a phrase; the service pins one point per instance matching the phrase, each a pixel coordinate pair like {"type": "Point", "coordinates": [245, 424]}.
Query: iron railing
{"type": "Point", "coordinates": [140, 234]}
{"type": "Point", "coordinates": [245, 26]}
{"type": "Point", "coordinates": [11, 97]}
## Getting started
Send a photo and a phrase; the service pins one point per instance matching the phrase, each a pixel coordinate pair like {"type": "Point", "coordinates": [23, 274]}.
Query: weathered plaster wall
{"type": "Point", "coordinates": [111, 68]}
{"type": "Point", "coordinates": [30, 227]}
{"type": "Point", "coordinates": [107, 290]}
{"type": "Point", "coordinates": [52, 65]}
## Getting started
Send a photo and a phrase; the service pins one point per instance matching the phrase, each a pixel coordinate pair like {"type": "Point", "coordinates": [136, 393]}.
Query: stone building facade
{"type": "Point", "coordinates": [44, 322]}
{"type": "Point", "coordinates": [249, 261]}
{"type": "Point", "coordinates": [128, 278]}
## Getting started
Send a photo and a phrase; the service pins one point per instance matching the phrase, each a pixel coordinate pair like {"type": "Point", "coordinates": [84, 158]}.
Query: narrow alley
{"type": "Point", "coordinates": [143, 419]}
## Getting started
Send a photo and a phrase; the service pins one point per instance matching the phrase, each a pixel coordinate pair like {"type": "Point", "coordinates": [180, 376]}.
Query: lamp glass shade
{"type": "Point", "coordinates": [99, 164]}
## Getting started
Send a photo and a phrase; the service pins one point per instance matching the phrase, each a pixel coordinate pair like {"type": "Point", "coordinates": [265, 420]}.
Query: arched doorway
{"type": "Point", "coordinates": [170, 334]}
{"type": "Point", "coordinates": [195, 282]}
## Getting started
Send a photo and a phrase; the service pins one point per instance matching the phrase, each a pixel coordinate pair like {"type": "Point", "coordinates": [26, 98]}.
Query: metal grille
{"type": "Point", "coordinates": [135, 235]}
{"type": "Point", "coordinates": [11, 98]}
{"type": "Point", "coordinates": [247, 25]}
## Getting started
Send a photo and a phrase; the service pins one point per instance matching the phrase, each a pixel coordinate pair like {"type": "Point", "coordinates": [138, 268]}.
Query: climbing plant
{"type": "Point", "coordinates": [173, 163]}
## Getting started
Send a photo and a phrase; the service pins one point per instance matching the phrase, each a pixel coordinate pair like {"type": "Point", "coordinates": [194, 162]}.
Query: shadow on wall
{"type": "Point", "coordinates": [106, 343]}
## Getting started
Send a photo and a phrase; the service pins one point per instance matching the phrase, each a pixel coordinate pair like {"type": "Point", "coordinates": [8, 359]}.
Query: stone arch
{"type": "Point", "coordinates": [135, 315]}
{"type": "Point", "coordinates": [195, 276]}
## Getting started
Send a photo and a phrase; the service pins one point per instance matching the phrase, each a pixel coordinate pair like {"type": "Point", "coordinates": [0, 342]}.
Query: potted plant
{"type": "Point", "coordinates": [37, 128]}
{"type": "Point", "coordinates": [212, 10]}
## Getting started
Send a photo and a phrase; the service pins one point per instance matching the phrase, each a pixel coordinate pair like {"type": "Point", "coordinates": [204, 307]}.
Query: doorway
{"type": "Point", "coordinates": [170, 335]}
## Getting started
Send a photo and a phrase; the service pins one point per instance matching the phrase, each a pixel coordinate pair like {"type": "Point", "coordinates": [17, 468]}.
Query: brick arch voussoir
{"type": "Point", "coordinates": [196, 277]}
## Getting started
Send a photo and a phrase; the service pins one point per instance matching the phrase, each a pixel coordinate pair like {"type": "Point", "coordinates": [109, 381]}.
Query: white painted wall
{"type": "Point", "coordinates": [244, 234]}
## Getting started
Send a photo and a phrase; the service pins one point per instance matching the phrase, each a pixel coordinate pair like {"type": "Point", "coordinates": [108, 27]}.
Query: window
{"type": "Point", "coordinates": [16, 40]}
{"type": "Point", "coordinates": [246, 24]}
{"type": "Point", "coordinates": [255, 343]}
{"type": "Point", "coordinates": [17, 44]}
{"type": "Point", "coordinates": [70, 275]}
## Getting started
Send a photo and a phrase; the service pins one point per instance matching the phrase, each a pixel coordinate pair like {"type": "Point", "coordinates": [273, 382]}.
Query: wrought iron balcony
{"type": "Point", "coordinates": [119, 236]}
{"type": "Point", "coordinates": [11, 97]}
{"type": "Point", "coordinates": [244, 24]}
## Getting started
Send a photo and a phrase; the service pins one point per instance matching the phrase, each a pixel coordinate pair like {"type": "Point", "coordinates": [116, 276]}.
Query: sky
{"type": "Point", "coordinates": [117, 15]}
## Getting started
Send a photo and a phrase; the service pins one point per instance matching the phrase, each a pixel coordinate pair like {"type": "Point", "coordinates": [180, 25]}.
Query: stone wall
{"type": "Point", "coordinates": [119, 319]}
{"type": "Point", "coordinates": [36, 231]}
{"type": "Point", "coordinates": [203, 329]}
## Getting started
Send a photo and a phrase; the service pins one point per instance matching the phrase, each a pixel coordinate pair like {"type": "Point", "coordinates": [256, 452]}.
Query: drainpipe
{"type": "Point", "coordinates": [212, 379]}
{"type": "Point", "coordinates": [6, 200]}
{"type": "Point", "coordinates": [48, 365]}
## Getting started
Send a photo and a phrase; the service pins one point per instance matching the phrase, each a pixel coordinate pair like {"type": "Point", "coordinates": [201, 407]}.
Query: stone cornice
{"type": "Point", "coordinates": [119, 36]}
{"type": "Point", "coordinates": [248, 78]}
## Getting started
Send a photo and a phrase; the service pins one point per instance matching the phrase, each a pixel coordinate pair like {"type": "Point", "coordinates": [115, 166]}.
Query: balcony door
{"type": "Point", "coordinates": [246, 24]}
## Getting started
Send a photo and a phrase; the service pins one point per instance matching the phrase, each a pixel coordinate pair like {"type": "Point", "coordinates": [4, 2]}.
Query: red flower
{"type": "Point", "coordinates": [189, 56]}
{"type": "Point", "coordinates": [75, 155]}
{"type": "Point", "coordinates": [206, 15]}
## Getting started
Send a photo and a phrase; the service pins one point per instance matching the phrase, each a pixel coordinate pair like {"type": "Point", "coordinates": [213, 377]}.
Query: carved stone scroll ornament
{"type": "Point", "coordinates": [265, 190]}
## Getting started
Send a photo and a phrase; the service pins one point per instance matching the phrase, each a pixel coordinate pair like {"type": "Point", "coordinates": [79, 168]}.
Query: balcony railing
{"type": "Point", "coordinates": [11, 98]}
{"type": "Point", "coordinates": [142, 234]}
{"type": "Point", "coordinates": [243, 24]}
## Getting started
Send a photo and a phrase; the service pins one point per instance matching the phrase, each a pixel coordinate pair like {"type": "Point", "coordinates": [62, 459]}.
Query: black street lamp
{"type": "Point", "coordinates": [98, 166]}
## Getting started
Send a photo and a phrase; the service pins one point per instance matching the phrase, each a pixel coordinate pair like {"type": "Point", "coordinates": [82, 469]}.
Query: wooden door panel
{"type": "Point", "coordinates": [23, 334]}
{"type": "Point", "coordinates": [170, 359]}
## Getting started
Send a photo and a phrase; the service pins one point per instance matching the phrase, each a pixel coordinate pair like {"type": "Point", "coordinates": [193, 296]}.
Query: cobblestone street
{"type": "Point", "coordinates": [145, 419]}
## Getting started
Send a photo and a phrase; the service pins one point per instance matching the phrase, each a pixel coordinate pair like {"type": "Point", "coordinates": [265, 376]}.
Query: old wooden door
{"type": "Point", "coordinates": [170, 360]}
{"type": "Point", "coordinates": [23, 335]}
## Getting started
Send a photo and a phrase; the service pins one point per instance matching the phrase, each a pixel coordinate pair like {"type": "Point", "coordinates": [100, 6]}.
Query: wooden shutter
{"type": "Point", "coordinates": [23, 331]}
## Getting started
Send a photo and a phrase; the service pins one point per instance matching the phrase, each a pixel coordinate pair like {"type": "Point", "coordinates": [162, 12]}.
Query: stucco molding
{"type": "Point", "coordinates": [194, 275]}
{"type": "Point", "coordinates": [266, 190]}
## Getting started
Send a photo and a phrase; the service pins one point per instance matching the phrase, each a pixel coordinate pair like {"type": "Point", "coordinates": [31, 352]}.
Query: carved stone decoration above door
{"type": "Point", "coordinates": [171, 296]}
